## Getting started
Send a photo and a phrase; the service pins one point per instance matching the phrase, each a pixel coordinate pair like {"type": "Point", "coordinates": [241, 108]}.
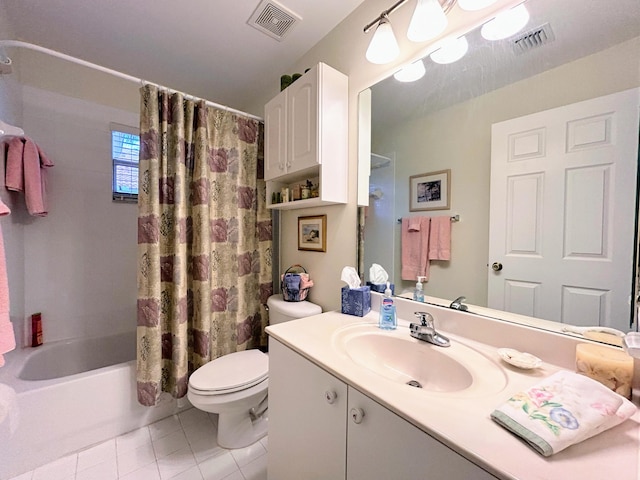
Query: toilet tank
{"type": "Point", "coordinates": [281, 311]}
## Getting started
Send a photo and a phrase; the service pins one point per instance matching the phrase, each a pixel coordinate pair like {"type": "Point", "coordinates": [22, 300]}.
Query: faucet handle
{"type": "Point", "coordinates": [426, 319]}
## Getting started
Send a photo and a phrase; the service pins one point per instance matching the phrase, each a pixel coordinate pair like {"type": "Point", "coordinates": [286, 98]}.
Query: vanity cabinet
{"type": "Point", "coordinates": [306, 138]}
{"type": "Point", "coordinates": [316, 435]}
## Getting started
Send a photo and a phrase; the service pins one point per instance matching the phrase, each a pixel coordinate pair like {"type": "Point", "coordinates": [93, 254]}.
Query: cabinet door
{"type": "Point", "coordinates": [302, 118]}
{"type": "Point", "coordinates": [275, 136]}
{"type": "Point", "coordinates": [383, 445]}
{"type": "Point", "coordinates": [307, 426]}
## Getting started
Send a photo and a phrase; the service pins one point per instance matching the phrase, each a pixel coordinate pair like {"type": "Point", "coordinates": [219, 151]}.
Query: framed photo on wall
{"type": "Point", "coordinates": [312, 233]}
{"type": "Point", "coordinates": [430, 191]}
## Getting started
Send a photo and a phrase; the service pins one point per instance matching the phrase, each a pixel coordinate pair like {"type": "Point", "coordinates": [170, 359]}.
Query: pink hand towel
{"type": "Point", "coordinates": [414, 224]}
{"type": "Point", "coordinates": [25, 172]}
{"type": "Point", "coordinates": [440, 238]}
{"type": "Point", "coordinates": [7, 337]}
{"type": "Point", "coordinates": [415, 249]}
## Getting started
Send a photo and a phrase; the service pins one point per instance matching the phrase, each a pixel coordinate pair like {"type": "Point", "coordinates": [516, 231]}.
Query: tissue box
{"type": "Point", "coordinates": [381, 287]}
{"type": "Point", "coordinates": [356, 301]}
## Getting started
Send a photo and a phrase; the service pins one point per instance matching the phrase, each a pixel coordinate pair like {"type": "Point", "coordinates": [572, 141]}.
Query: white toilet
{"type": "Point", "coordinates": [235, 386]}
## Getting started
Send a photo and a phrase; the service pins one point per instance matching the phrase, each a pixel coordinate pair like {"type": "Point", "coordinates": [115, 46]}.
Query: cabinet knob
{"type": "Point", "coordinates": [330, 396]}
{"type": "Point", "coordinates": [357, 414]}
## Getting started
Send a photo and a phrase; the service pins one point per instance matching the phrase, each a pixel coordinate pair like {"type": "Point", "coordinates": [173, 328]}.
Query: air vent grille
{"type": "Point", "coordinates": [533, 39]}
{"type": "Point", "coordinates": [273, 19]}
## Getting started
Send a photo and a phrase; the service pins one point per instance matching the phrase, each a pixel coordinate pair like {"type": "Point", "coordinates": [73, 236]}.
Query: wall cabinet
{"type": "Point", "coordinates": [306, 138]}
{"type": "Point", "coordinates": [320, 428]}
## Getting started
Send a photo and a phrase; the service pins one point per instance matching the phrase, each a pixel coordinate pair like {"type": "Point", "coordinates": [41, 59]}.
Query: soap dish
{"type": "Point", "coordinates": [518, 359]}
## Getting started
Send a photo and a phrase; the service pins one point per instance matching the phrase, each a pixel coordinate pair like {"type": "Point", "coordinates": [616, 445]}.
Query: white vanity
{"type": "Point", "coordinates": [340, 409]}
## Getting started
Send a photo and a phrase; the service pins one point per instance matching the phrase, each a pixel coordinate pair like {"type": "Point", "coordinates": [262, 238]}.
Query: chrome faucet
{"type": "Point", "coordinates": [458, 304]}
{"type": "Point", "coordinates": [426, 330]}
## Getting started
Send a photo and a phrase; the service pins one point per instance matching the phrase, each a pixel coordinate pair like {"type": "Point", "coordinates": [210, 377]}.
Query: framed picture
{"type": "Point", "coordinates": [312, 233]}
{"type": "Point", "coordinates": [430, 191]}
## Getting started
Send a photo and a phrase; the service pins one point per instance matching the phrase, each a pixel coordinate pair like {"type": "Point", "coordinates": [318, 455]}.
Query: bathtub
{"type": "Point", "coordinates": [64, 396]}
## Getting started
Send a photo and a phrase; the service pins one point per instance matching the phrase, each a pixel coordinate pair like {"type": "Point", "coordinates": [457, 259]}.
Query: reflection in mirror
{"type": "Point", "coordinates": [580, 52]}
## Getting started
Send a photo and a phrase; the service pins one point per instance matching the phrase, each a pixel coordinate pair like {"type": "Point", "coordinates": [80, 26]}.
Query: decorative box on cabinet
{"type": "Point", "coordinates": [306, 137]}
{"type": "Point", "coordinates": [321, 428]}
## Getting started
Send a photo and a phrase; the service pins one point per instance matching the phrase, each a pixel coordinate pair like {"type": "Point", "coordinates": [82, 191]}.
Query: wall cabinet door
{"type": "Point", "coordinates": [302, 113]}
{"type": "Point", "coordinates": [307, 426]}
{"type": "Point", "coordinates": [275, 139]}
{"type": "Point", "coordinates": [384, 445]}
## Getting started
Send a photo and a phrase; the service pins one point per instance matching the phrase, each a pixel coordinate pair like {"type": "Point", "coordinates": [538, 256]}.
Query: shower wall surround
{"type": "Point", "coordinates": [79, 262]}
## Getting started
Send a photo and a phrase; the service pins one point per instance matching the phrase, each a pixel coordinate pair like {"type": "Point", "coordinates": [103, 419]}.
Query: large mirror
{"type": "Point", "coordinates": [579, 50]}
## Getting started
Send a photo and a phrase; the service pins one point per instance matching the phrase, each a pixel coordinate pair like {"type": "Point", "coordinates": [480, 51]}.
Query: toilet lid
{"type": "Point", "coordinates": [230, 373]}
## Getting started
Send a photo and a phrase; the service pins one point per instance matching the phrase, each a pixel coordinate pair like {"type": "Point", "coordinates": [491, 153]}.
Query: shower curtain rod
{"type": "Point", "coordinates": [115, 73]}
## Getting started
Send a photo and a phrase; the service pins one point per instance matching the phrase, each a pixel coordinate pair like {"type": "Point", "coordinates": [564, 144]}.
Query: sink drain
{"type": "Point", "coordinates": [414, 383]}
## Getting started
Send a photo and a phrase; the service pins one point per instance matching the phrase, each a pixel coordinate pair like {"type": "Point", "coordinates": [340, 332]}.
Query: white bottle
{"type": "Point", "coordinates": [418, 293]}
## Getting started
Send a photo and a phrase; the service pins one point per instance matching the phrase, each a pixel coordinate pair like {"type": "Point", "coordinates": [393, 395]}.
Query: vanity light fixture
{"type": "Point", "coordinates": [506, 24]}
{"type": "Point", "coordinates": [384, 46]}
{"type": "Point", "coordinates": [428, 21]}
{"type": "Point", "coordinates": [410, 73]}
{"type": "Point", "coordinates": [452, 50]}
{"type": "Point", "coordinates": [472, 5]}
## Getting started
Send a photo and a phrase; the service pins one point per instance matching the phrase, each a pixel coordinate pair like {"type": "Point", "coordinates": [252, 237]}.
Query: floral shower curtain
{"type": "Point", "coordinates": [204, 240]}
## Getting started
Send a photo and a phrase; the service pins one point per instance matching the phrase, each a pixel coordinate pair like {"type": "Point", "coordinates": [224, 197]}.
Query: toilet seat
{"type": "Point", "coordinates": [230, 373]}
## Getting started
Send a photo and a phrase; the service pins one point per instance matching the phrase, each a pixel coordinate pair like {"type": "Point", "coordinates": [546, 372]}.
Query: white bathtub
{"type": "Point", "coordinates": [64, 396]}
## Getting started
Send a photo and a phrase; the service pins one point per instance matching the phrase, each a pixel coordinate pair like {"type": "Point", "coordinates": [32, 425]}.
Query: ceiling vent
{"type": "Point", "coordinates": [533, 39]}
{"type": "Point", "coordinates": [273, 19]}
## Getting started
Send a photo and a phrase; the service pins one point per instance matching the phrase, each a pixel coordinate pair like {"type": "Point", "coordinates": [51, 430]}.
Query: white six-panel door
{"type": "Point", "coordinates": [563, 193]}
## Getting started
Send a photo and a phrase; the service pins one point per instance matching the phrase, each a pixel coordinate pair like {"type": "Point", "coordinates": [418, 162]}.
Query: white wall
{"type": "Point", "coordinates": [460, 138]}
{"type": "Point", "coordinates": [80, 260]}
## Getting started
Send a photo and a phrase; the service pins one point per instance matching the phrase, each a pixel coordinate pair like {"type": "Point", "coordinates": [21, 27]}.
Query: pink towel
{"type": "Point", "coordinates": [25, 172]}
{"type": "Point", "coordinates": [440, 238]}
{"type": "Point", "coordinates": [415, 249]}
{"type": "Point", "coordinates": [7, 337]}
{"type": "Point", "coordinates": [414, 224]}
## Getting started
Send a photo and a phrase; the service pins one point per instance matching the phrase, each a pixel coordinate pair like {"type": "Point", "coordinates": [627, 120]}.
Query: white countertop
{"type": "Point", "coordinates": [463, 422]}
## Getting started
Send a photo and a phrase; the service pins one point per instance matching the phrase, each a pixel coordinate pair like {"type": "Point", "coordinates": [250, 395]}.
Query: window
{"type": "Point", "coordinates": [125, 151]}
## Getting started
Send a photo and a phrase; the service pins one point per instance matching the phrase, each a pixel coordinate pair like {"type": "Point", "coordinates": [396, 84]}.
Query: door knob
{"type": "Point", "coordinates": [497, 266]}
{"type": "Point", "coordinates": [357, 414]}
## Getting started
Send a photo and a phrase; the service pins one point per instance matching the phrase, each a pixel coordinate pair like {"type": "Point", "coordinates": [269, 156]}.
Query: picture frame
{"type": "Point", "coordinates": [312, 233]}
{"type": "Point", "coordinates": [430, 191]}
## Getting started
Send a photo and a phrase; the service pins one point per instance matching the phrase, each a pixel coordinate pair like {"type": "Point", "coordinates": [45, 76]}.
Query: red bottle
{"type": "Point", "coordinates": [36, 329]}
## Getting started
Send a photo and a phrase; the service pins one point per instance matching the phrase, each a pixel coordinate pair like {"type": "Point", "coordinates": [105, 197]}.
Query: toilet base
{"type": "Point", "coordinates": [238, 430]}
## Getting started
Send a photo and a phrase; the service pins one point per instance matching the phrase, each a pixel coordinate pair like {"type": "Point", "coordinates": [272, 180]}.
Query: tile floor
{"type": "Point", "coordinates": [180, 447]}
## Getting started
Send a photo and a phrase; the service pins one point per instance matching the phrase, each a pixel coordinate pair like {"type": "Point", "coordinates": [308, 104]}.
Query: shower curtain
{"type": "Point", "coordinates": [204, 240]}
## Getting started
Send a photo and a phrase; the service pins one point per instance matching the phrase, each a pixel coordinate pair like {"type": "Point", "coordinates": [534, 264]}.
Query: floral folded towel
{"type": "Point", "coordinates": [562, 410]}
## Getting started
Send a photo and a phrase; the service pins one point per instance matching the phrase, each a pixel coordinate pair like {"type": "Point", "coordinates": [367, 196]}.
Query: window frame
{"type": "Point", "coordinates": [121, 197]}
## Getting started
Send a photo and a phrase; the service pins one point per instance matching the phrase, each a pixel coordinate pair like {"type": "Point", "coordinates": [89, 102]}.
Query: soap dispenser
{"type": "Point", "coordinates": [418, 293]}
{"type": "Point", "coordinates": [388, 319]}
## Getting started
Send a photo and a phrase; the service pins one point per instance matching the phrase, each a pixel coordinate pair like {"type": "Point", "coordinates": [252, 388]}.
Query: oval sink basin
{"type": "Point", "coordinates": [400, 358]}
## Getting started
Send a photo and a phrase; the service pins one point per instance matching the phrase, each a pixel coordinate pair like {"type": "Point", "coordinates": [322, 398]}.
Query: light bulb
{"type": "Point", "coordinates": [506, 23]}
{"type": "Point", "coordinates": [471, 5]}
{"type": "Point", "coordinates": [383, 47]}
{"type": "Point", "coordinates": [427, 22]}
{"type": "Point", "coordinates": [452, 50]}
{"type": "Point", "coordinates": [411, 72]}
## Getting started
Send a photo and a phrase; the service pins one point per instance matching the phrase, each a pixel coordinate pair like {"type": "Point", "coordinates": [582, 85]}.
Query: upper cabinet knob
{"type": "Point", "coordinates": [330, 396]}
{"type": "Point", "coordinates": [497, 266]}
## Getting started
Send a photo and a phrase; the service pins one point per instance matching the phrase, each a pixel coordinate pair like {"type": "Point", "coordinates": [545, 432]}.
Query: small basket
{"type": "Point", "coordinates": [290, 294]}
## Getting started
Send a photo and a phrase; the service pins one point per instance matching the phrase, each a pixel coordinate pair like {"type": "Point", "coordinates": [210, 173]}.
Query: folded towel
{"type": "Point", "coordinates": [414, 224]}
{"type": "Point", "coordinates": [25, 172]}
{"type": "Point", "coordinates": [415, 249]}
{"type": "Point", "coordinates": [440, 238]}
{"type": "Point", "coordinates": [562, 410]}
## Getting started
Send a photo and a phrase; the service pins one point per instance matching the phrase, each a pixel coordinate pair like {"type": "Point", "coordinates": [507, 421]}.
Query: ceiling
{"type": "Point", "coordinates": [580, 28]}
{"type": "Point", "coordinates": [201, 47]}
